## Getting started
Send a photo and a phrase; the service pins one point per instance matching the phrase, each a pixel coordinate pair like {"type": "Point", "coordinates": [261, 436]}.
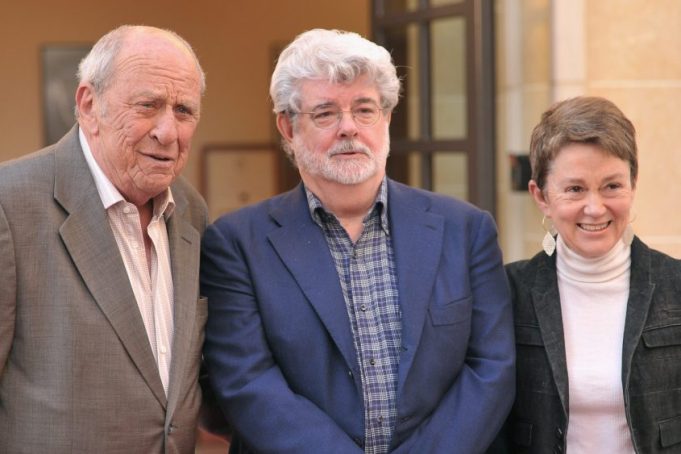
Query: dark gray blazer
{"type": "Point", "coordinates": [77, 374]}
{"type": "Point", "coordinates": [651, 356]}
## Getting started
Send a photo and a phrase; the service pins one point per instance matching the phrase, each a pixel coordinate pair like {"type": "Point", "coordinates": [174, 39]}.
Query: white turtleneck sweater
{"type": "Point", "coordinates": [593, 295]}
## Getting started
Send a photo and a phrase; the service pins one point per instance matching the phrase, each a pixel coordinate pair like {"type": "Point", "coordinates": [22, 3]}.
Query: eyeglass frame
{"type": "Point", "coordinates": [339, 115]}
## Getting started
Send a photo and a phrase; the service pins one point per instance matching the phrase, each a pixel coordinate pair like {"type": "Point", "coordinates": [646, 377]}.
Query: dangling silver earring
{"type": "Point", "coordinates": [549, 242]}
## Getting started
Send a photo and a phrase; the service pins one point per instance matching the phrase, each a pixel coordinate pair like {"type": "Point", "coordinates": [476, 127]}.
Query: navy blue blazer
{"type": "Point", "coordinates": [279, 349]}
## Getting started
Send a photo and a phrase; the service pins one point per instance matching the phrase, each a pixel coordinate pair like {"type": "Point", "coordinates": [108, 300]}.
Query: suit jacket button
{"type": "Point", "coordinates": [559, 433]}
{"type": "Point", "coordinates": [171, 429]}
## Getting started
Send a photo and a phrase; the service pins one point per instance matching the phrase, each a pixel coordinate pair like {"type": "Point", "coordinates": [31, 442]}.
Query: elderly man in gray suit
{"type": "Point", "coordinates": [101, 323]}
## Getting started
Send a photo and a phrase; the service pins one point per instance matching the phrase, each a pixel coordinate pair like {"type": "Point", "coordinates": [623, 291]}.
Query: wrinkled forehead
{"type": "Point", "coordinates": [162, 62]}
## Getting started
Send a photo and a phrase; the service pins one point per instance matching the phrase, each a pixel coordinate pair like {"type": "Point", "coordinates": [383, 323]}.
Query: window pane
{"type": "Point", "coordinates": [450, 174]}
{"type": "Point", "coordinates": [402, 42]}
{"type": "Point", "coordinates": [400, 6]}
{"type": "Point", "coordinates": [415, 164]}
{"type": "Point", "coordinates": [448, 56]}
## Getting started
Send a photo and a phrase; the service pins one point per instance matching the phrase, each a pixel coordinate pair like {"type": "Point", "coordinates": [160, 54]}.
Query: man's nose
{"type": "Point", "coordinates": [165, 129]}
{"type": "Point", "coordinates": [346, 125]}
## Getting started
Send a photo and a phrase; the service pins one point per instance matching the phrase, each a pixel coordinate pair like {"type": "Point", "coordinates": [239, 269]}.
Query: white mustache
{"type": "Point", "coordinates": [347, 147]}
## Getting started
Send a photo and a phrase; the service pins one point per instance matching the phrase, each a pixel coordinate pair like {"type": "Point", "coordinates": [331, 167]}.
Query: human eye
{"type": "Point", "coordinates": [322, 114]}
{"type": "Point", "coordinates": [365, 110]}
{"type": "Point", "coordinates": [146, 105]}
{"type": "Point", "coordinates": [184, 110]}
{"type": "Point", "coordinates": [613, 189]}
{"type": "Point", "coordinates": [574, 189]}
{"type": "Point", "coordinates": [325, 116]}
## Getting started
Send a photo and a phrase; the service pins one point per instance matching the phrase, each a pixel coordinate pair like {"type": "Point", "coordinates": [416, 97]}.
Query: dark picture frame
{"type": "Point", "coordinates": [233, 175]}
{"type": "Point", "coordinates": [59, 64]}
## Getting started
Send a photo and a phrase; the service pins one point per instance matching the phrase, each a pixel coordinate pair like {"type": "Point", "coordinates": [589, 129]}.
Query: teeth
{"type": "Point", "coordinates": [594, 227]}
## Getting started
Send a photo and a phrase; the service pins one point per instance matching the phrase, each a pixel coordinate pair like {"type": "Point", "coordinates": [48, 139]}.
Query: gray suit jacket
{"type": "Point", "coordinates": [76, 370]}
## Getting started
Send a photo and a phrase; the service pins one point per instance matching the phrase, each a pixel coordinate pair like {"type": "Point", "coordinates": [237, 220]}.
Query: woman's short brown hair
{"type": "Point", "coordinates": [584, 119]}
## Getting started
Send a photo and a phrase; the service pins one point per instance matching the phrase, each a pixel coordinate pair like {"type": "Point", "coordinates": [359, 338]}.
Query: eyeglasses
{"type": "Point", "coordinates": [328, 117]}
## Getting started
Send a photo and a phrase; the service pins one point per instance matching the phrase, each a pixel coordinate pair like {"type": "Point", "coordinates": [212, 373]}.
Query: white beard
{"type": "Point", "coordinates": [344, 171]}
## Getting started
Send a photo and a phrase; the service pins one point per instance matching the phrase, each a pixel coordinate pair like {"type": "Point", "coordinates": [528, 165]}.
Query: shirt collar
{"type": "Point", "coordinates": [164, 204]}
{"type": "Point", "coordinates": [381, 204]}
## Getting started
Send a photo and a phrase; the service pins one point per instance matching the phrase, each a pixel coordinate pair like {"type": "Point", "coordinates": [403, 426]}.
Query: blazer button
{"type": "Point", "coordinates": [171, 429]}
{"type": "Point", "coordinates": [558, 449]}
{"type": "Point", "coordinates": [559, 433]}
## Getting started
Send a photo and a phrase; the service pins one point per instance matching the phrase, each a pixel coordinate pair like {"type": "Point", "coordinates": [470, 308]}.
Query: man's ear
{"type": "Point", "coordinates": [285, 126]}
{"type": "Point", "coordinates": [87, 112]}
{"type": "Point", "coordinates": [539, 198]}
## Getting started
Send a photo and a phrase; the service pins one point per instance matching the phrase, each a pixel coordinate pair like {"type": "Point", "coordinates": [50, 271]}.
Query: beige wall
{"type": "Point", "coordinates": [524, 90]}
{"type": "Point", "coordinates": [233, 38]}
{"type": "Point", "coordinates": [633, 57]}
{"type": "Point", "coordinates": [627, 51]}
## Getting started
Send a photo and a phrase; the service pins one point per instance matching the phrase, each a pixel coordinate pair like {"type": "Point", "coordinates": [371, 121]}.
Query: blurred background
{"type": "Point", "coordinates": [477, 76]}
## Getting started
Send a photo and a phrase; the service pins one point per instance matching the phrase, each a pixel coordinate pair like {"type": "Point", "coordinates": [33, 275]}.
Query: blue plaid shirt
{"type": "Point", "coordinates": [368, 278]}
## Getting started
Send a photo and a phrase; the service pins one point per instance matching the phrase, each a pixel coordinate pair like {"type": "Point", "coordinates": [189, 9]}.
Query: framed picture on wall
{"type": "Point", "coordinates": [235, 175]}
{"type": "Point", "coordinates": [59, 82]}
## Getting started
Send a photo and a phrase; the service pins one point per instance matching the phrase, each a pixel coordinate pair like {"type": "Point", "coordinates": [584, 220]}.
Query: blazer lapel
{"type": "Point", "coordinates": [640, 296]}
{"type": "Point", "coordinates": [89, 240]}
{"type": "Point", "coordinates": [302, 248]}
{"type": "Point", "coordinates": [417, 244]}
{"type": "Point", "coordinates": [546, 300]}
{"type": "Point", "coordinates": [183, 240]}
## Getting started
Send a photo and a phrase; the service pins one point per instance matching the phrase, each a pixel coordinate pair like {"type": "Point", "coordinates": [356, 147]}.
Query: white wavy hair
{"type": "Point", "coordinates": [335, 56]}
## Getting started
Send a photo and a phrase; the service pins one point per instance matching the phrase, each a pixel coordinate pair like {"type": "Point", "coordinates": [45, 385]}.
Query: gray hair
{"type": "Point", "coordinates": [98, 65]}
{"type": "Point", "coordinates": [335, 56]}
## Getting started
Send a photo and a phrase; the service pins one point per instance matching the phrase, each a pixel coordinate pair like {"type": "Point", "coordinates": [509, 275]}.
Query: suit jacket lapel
{"type": "Point", "coordinates": [417, 237]}
{"type": "Point", "coordinates": [640, 296]}
{"type": "Point", "coordinates": [302, 248]}
{"type": "Point", "coordinates": [89, 240]}
{"type": "Point", "coordinates": [546, 300]}
{"type": "Point", "coordinates": [184, 240]}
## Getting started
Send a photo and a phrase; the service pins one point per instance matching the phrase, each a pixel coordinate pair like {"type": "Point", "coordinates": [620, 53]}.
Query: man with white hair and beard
{"type": "Point", "coordinates": [353, 313]}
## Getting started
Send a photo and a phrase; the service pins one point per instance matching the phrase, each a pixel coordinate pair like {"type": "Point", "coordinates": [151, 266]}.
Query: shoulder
{"type": "Point", "coordinates": [523, 272]}
{"type": "Point", "coordinates": [27, 180]}
{"type": "Point", "coordinates": [432, 201]}
{"type": "Point", "coordinates": [258, 216]}
{"type": "Point", "coordinates": [663, 268]}
{"type": "Point", "coordinates": [27, 169]}
{"type": "Point", "coordinates": [35, 172]}
{"type": "Point", "coordinates": [458, 216]}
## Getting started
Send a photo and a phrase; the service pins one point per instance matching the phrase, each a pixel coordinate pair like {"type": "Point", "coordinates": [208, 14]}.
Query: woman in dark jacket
{"type": "Point", "coordinates": [597, 313]}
